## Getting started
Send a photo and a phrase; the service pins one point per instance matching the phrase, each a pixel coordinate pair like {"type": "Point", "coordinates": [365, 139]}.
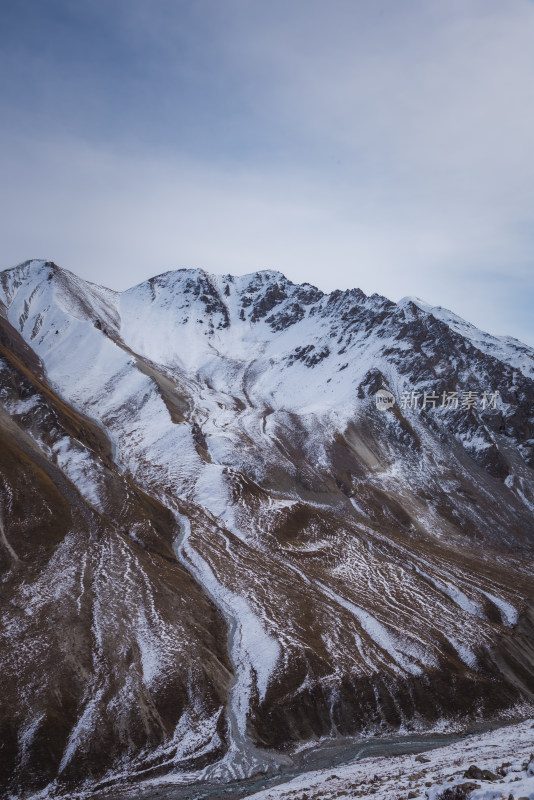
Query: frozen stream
{"type": "Point", "coordinates": [329, 755]}
{"type": "Point", "coordinates": [253, 654]}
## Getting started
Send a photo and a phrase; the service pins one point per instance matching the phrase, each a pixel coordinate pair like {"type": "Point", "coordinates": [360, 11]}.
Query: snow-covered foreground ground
{"type": "Point", "coordinates": [508, 753]}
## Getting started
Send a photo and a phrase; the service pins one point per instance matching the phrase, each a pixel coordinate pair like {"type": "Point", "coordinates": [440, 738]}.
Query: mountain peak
{"type": "Point", "coordinates": [241, 548]}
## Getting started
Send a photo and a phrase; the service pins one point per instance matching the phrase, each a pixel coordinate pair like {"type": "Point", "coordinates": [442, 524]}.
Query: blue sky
{"type": "Point", "coordinates": [368, 143]}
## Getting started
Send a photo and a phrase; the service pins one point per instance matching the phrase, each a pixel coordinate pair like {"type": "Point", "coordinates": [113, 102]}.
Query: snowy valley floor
{"type": "Point", "coordinates": [401, 768]}
{"type": "Point", "coordinates": [508, 753]}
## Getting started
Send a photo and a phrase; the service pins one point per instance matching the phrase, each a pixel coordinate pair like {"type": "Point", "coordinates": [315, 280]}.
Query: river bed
{"type": "Point", "coordinates": [326, 755]}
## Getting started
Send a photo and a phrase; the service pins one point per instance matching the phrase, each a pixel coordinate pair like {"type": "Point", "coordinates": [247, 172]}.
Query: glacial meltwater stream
{"type": "Point", "coordinates": [328, 755]}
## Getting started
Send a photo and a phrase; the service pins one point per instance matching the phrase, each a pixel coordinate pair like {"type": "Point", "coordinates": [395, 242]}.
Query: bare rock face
{"type": "Point", "coordinates": [215, 546]}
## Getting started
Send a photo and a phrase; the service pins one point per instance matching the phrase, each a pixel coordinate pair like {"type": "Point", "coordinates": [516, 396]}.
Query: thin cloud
{"type": "Point", "coordinates": [377, 144]}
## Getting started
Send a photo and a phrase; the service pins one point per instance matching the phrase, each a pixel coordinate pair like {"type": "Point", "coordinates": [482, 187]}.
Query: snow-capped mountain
{"type": "Point", "coordinates": [215, 546]}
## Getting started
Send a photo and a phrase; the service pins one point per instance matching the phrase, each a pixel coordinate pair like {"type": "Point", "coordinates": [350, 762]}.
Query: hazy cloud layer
{"type": "Point", "coordinates": [376, 144]}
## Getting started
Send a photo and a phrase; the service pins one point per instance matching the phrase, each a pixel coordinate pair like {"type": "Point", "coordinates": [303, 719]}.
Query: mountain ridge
{"type": "Point", "coordinates": [263, 556]}
{"type": "Point", "coordinates": [443, 314]}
